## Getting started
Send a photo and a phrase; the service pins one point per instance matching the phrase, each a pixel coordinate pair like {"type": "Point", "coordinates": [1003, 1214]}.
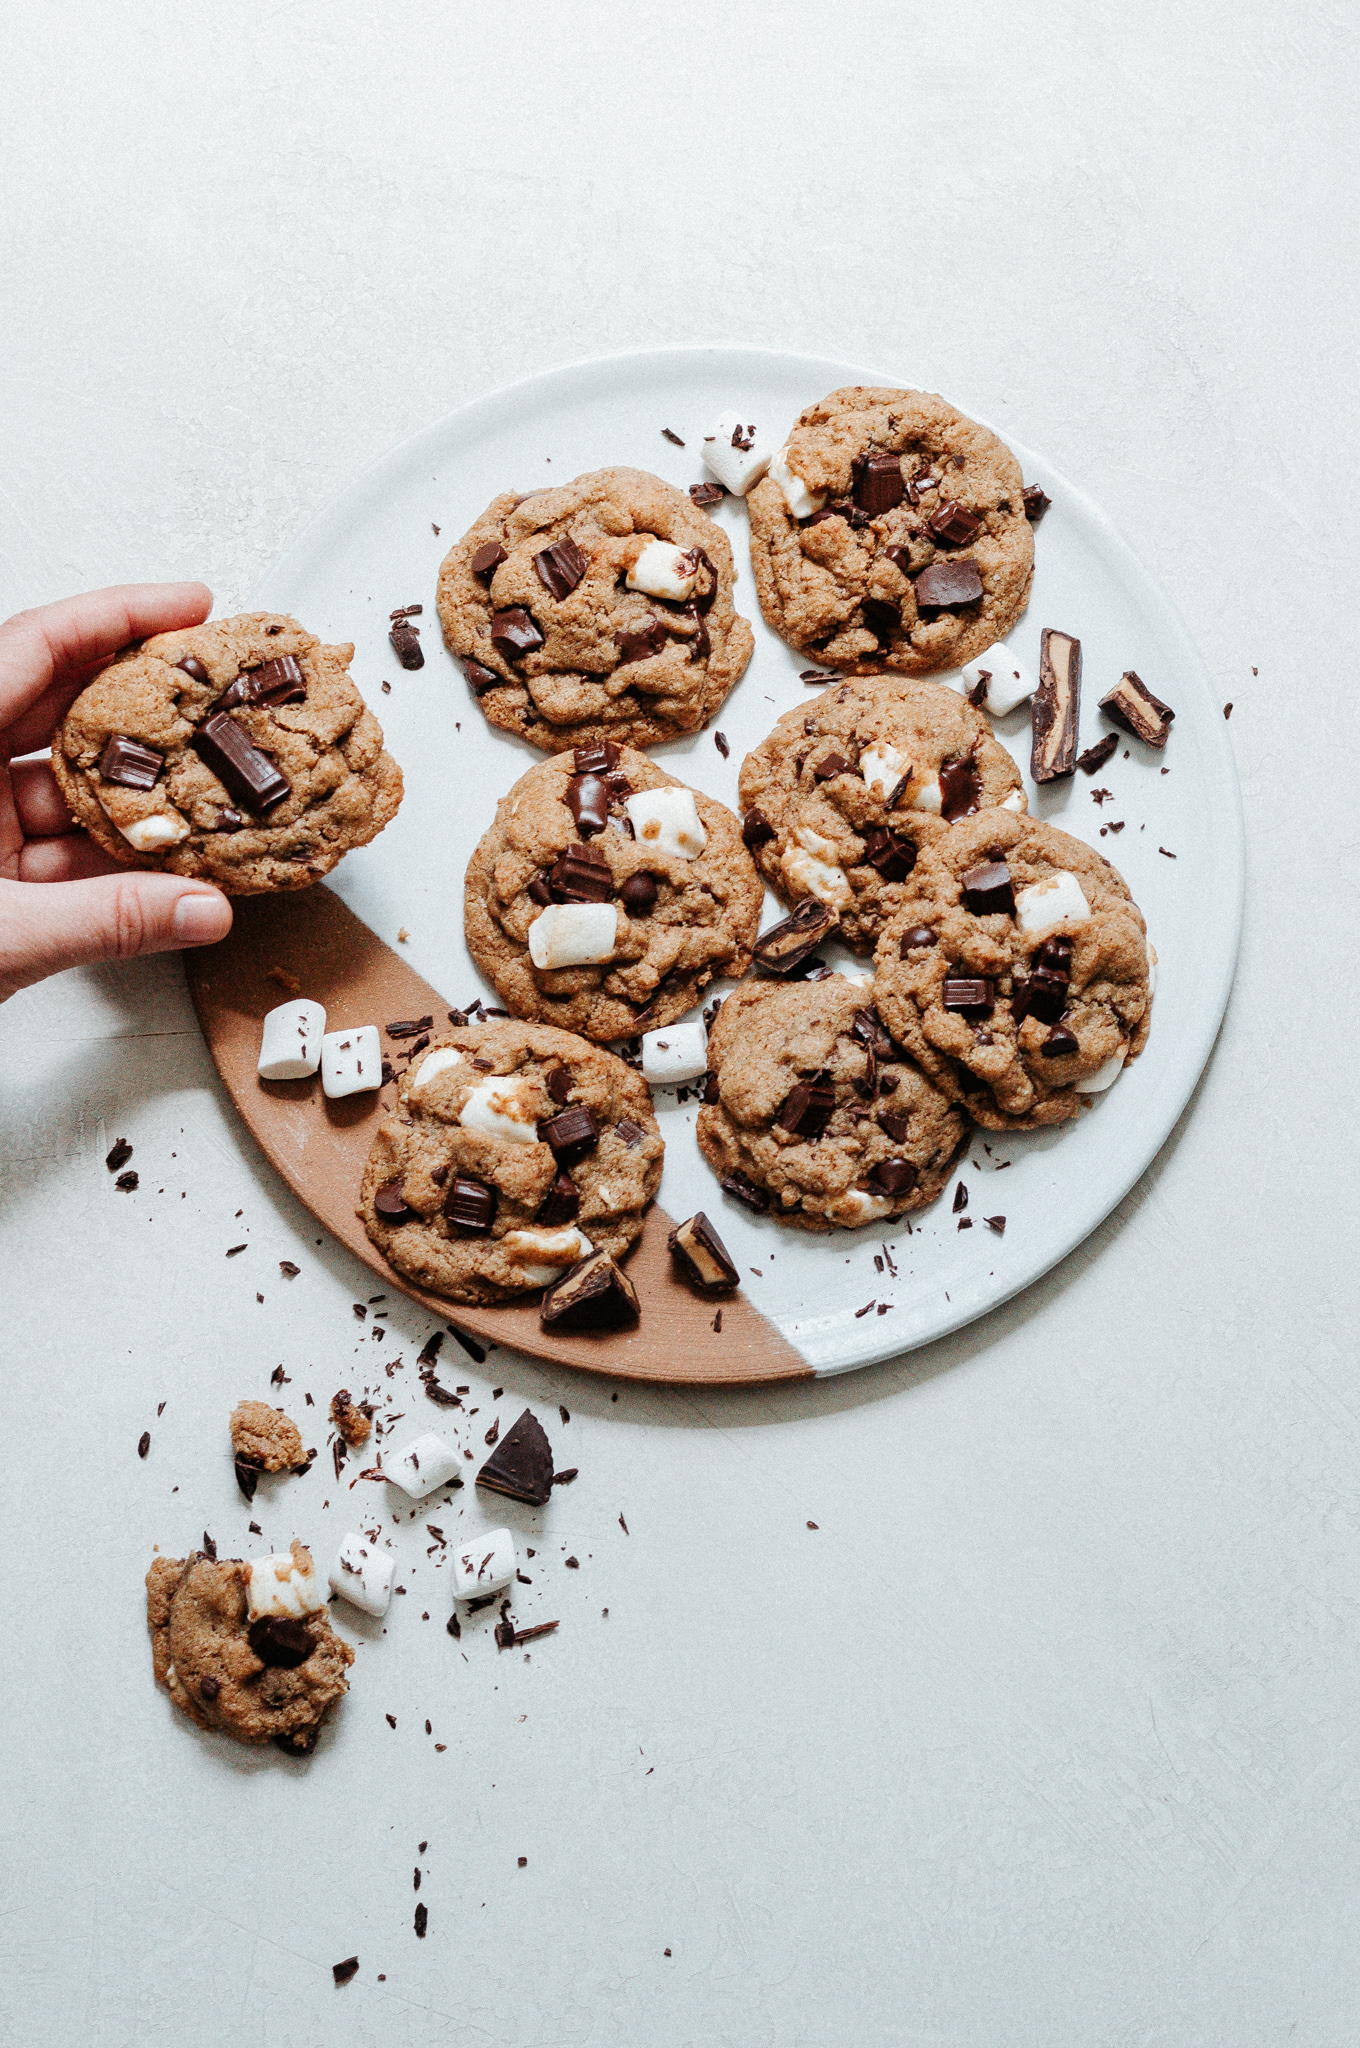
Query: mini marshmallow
{"type": "Point", "coordinates": [154, 834]}
{"type": "Point", "coordinates": [1016, 801]}
{"type": "Point", "coordinates": [802, 502]}
{"type": "Point", "coordinates": [485, 1564]}
{"type": "Point", "coordinates": [426, 1462]}
{"type": "Point", "coordinates": [573, 935]}
{"type": "Point", "coordinates": [1059, 900]}
{"type": "Point", "coordinates": [812, 869]}
{"type": "Point", "coordinates": [351, 1061]}
{"type": "Point", "coordinates": [859, 980]}
{"type": "Point", "coordinates": [433, 1065]}
{"type": "Point", "coordinates": [677, 1053]}
{"type": "Point", "coordinates": [281, 1585]}
{"type": "Point", "coordinates": [543, 1255]}
{"type": "Point", "coordinates": [883, 767]}
{"type": "Point", "coordinates": [1006, 682]}
{"type": "Point", "coordinates": [664, 570]}
{"type": "Point", "coordinates": [667, 821]}
{"type": "Point", "coordinates": [858, 1206]}
{"type": "Point", "coordinates": [1104, 1076]}
{"type": "Point", "coordinates": [738, 468]}
{"type": "Point", "coordinates": [501, 1108]}
{"type": "Point", "coordinates": [926, 796]}
{"type": "Point", "coordinates": [362, 1574]}
{"type": "Point", "coordinates": [290, 1042]}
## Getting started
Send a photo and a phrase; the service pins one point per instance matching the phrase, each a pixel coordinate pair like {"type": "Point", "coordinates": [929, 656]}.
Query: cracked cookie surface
{"type": "Point", "coordinates": [1016, 970]}
{"type": "Point", "coordinates": [895, 485]}
{"type": "Point", "coordinates": [513, 1150]}
{"type": "Point", "coordinates": [125, 756]}
{"type": "Point", "coordinates": [535, 601]}
{"type": "Point", "coordinates": [838, 801]}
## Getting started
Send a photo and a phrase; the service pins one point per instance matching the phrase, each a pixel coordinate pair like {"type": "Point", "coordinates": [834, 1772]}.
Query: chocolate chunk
{"type": "Point", "coordinates": [881, 617]}
{"type": "Point", "coordinates": [482, 679]}
{"type": "Point", "coordinates": [1036, 503]}
{"type": "Point", "coordinates": [894, 1176]}
{"type": "Point", "coordinates": [598, 758]}
{"type": "Point", "coordinates": [422, 1920]}
{"type": "Point", "coordinates": [830, 766]}
{"type": "Point", "coordinates": [521, 1466]}
{"type": "Point", "coordinates": [987, 889]}
{"type": "Point", "coordinates": [1056, 707]}
{"type": "Point", "coordinates": [638, 894]}
{"type": "Point", "coordinates": [118, 1155]}
{"type": "Point", "coordinates": [392, 1205]}
{"type": "Point", "coordinates": [1056, 952]}
{"type": "Point", "coordinates": [582, 875]}
{"type": "Point", "coordinates": [744, 1190]}
{"type": "Point", "coordinates": [701, 1256]}
{"type": "Point", "coordinates": [869, 1029]}
{"type": "Point", "coordinates": [470, 1205]}
{"type": "Point", "coordinates": [878, 484]}
{"type": "Point", "coordinates": [144, 1443]}
{"type": "Point", "coordinates": [247, 1476]}
{"type": "Point", "coordinates": [806, 1109]}
{"type": "Point", "coordinates": [894, 858]}
{"type": "Point", "coordinates": [279, 681]}
{"type": "Point", "coordinates": [916, 936]}
{"type": "Point", "coordinates": [971, 995]}
{"type": "Point", "coordinates": [247, 774]}
{"type": "Point", "coordinates": [996, 1223]}
{"type": "Point", "coordinates": [1047, 994]}
{"type": "Point", "coordinates": [559, 1082]}
{"type": "Point", "coordinates": [893, 1125]}
{"type": "Point", "coordinates": [488, 559]}
{"type": "Point", "coordinates": [1096, 756]}
{"type": "Point", "coordinates": [960, 1198]}
{"type": "Point", "coordinates": [406, 645]}
{"type": "Point", "coordinates": [744, 438]}
{"type": "Point", "coordinates": [596, 1294]}
{"type": "Point", "coordinates": [587, 798]}
{"type": "Point", "coordinates": [192, 666]}
{"type": "Point", "coordinates": [538, 891]}
{"type": "Point", "coordinates": [945, 585]}
{"type": "Point", "coordinates": [642, 645]}
{"type": "Point", "coordinates": [787, 944]}
{"type": "Point", "coordinates": [342, 1972]}
{"type": "Point", "coordinates": [561, 567]}
{"type": "Point", "coordinates": [1060, 1044]}
{"type": "Point", "coordinates": [756, 828]}
{"type": "Point", "coordinates": [280, 1641]}
{"type": "Point", "coordinates": [631, 1133]}
{"type": "Point", "coordinates": [514, 633]}
{"type": "Point", "coordinates": [229, 820]}
{"type": "Point", "coordinates": [126, 1182]}
{"type": "Point", "coordinates": [707, 494]}
{"type": "Point", "coordinates": [954, 524]}
{"type": "Point", "coordinates": [571, 1134]}
{"type": "Point", "coordinates": [128, 763]}
{"type": "Point", "coordinates": [560, 1205]}
{"type": "Point", "coordinates": [960, 789]}
{"type": "Point", "coordinates": [1131, 704]}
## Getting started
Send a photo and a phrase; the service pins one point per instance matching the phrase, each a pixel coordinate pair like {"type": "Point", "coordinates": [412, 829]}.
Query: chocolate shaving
{"type": "Point", "coordinates": [406, 645]}
{"type": "Point", "coordinates": [561, 567]}
{"type": "Point", "coordinates": [707, 494]}
{"type": "Point", "coordinates": [1096, 756]}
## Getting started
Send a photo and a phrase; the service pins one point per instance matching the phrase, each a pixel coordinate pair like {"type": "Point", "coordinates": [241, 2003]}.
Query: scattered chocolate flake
{"type": "Point", "coordinates": [863, 1311]}
{"type": "Point", "coordinates": [144, 1443]}
{"type": "Point", "coordinates": [996, 1223]}
{"type": "Point", "coordinates": [126, 1182]}
{"type": "Point", "coordinates": [707, 494]}
{"type": "Point", "coordinates": [278, 1378]}
{"type": "Point", "coordinates": [288, 1269]}
{"type": "Point", "coordinates": [119, 1155]}
{"type": "Point", "coordinates": [720, 742]}
{"type": "Point", "coordinates": [564, 1413]}
{"type": "Point", "coordinates": [1132, 705]}
{"type": "Point", "coordinates": [408, 1027]}
{"type": "Point", "coordinates": [745, 1191]}
{"type": "Point", "coordinates": [622, 1524]}
{"type": "Point", "coordinates": [247, 1476]}
{"type": "Point", "coordinates": [1036, 503]}
{"type": "Point", "coordinates": [1167, 851]}
{"type": "Point", "coordinates": [1056, 707]}
{"type": "Point", "coordinates": [1096, 756]}
{"type": "Point", "coordinates": [422, 1920]}
{"type": "Point", "coordinates": [521, 1466]}
{"type": "Point", "coordinates": [406, 645]}
{"type": "Point", "coordinates": [960, 1198]}
{"type": "Point", "coordinates": [233, 1249]}
{"type": "Point", "coordinates": [471, 1346]}
{"type": "Point", "coordinates": [505, 1634]}
{"type": "Point", "coordinates": [522, 1862]}
{"type": "Point", "coordinates": [1227, 710]}
{"type": "Point", "coordinates": [454, 1626]}
{"type": "Point", "coordinates": [675, 442]}
{"type": "Point", "coordinates": [342, 1972]}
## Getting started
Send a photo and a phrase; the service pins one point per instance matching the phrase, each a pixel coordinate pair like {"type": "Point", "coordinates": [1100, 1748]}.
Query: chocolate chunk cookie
{"type": "Point", "coordinates": [257, 1669]}
{"type": "Point", "coordinates": [820, 1118]}
{"type": "Point", "coordinates": [1016, 971]}
{"type": "Point", "coordinates": [891, 533]}
{"type": "Point", "coordinates": [839, 800]}
{"type": "Point", "coordinates": [266, 1438]}
{"type": "Point", "coordinates": [601, 610]}
{"type": "Point", "coordinates": [239, 752]}
{"type": "Point", "coordinates": [514, 1151]}
{"type": "Point", "coordinates": [607, 894]}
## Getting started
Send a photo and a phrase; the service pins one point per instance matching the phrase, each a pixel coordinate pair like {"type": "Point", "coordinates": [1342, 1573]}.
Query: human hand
{"type": "Point", "coordinates": [63, 902]}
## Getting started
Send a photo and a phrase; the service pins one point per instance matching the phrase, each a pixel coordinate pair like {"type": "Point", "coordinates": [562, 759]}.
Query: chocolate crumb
{"type": "Point", "coordinates": [707, 494]}
{"type": "Point", "coordinates": [622, 1524]}
{"type": "Point", "coordinates": [233, 1249]}
{"type": "Point", "coordinates": [119, 1155]}
{"type": "Point", "coordinates": [720, 742]}
{"type": "Point", "coordinates": [342, 1972]}
{"type": "Point", "coordinates": [288, 1269]}
{"type": "Point", "coordinates": [1167, 851]}
{"type": "Point", "coordinates": [1227, 710]}
{"type": "Point", "coordinates": [144, 1443]}
{"type": "Point", "coordinates": [422, 1920]}
{"type": "Point", "coordinates": [126, 1182]}
{"type": "Point", "coordinates": [996, 1223]}
{"type": "Point", "coordinates": [675, 442]}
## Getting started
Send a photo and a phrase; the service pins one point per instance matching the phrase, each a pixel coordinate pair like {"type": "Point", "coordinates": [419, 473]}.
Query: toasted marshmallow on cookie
{"type": "Point", "coordinates": [664, 570]}
{"type": "Point", "coordinates": [284, 1583]}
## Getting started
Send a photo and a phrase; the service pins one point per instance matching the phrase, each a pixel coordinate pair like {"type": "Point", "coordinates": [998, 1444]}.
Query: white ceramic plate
{"type": "Point", "coordinates": [375, 547]}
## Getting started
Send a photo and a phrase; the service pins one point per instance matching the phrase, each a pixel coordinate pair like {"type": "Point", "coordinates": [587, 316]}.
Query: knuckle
{"type": "Point", "coordinates": [131, 925]}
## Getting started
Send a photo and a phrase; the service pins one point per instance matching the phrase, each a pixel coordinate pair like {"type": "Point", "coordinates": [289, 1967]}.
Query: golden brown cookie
{"type": "Point", "coordinates": [632, 889]}
{"type": "Point", "coordinates": [1016, 971]}
{"type": "Point", "coordinates": [890, 533]}
{"type": "Point", "coordinates": [820, 1118]}
{"type": "Point", "coordinates": [239, 752]}
{"type": "Point", "coordinates": [266, 1438]}
{"type": "Point", "coordinates": [839, 799]}
{"type": "Point", "coordinates": [599, 610]}
{"type": "Point", "coordinates": [513, 1151]}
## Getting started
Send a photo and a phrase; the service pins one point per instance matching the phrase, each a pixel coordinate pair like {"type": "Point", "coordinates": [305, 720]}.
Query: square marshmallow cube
{"type": "Point", "coordinates": [667, 821]}
{"type": "Point", "coordinates": [1058, 900]}
{"type": "Point", "coordinates": [426, 1462]}
{"type": "Point", "coordinates": [351, 1061]}
{"type": "Point", "coordinates": [290, 1042]}
{"type": "Point", "coordinates": [1007, 683]}
{"type": "Point", "coordinates": [484, 1564]}
{"type": "Point", "coordinates": [280, 1585]}
{"type": "Point", "coordinates": [738, 468]}
{"type": "Point", "coordinates": [574, 935]}
{"type": "Point", "coordinates": [664, 570]}
{"type": "Point", "coordinates": [678, 1052]}
{"type": "Point", "coordinates": [362, 1574]}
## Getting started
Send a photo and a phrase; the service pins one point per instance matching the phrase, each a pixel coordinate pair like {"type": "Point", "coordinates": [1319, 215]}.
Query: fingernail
{"type": "Point", "coordinates": [201, 919]}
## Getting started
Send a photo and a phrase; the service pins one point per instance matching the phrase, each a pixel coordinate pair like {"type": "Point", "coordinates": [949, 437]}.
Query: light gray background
{"type": "Point", "coordinates": [1048, 1732]}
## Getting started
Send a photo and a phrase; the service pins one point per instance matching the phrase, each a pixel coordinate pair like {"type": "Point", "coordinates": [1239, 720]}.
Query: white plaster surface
{"type": "Point", "coordinates": [1073, 1757]}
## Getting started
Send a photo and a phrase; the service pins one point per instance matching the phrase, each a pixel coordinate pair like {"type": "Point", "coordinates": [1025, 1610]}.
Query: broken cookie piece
{"type": "Point", "coordinates": [263, 1439]}
{"type": "Point", "coordinates": [353, 1423]}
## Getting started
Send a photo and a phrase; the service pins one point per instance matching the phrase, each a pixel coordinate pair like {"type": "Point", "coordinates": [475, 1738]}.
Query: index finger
{"type": "Point", "coordinates": [48, 654]}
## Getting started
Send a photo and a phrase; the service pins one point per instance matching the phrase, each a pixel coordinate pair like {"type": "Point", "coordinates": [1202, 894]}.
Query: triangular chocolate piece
{"type": "Point", "coordinates": [521, 1464]}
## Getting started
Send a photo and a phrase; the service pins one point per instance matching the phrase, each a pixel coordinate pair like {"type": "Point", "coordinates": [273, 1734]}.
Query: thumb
{"type": "Point", "coordinates": [45, 926]}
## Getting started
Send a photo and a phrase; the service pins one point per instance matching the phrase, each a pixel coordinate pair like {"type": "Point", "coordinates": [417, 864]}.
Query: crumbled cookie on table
{"type": "Point", "coordinates": [266, 1438]}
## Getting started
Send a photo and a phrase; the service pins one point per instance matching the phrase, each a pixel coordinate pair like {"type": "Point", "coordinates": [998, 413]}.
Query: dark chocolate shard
{"type": "Point", "coordinates": [600, 757]}
{"type": "Point", "coordinates": [642, 645]}
{"type": "Point", "coordinates": [521, 1466]}
{"type": "Point", "coordinates": [631, 1133]}
{"type": "Point", "coordinates": [756, 829]}
{"type": "Point", "coordinates": [987, 889]}
{"type": "Point", "coordinates": [787, 944]}
{"type": "Point", "coordinates": [1045, 995]}
{"type": "Point", "coordinates": [878, 484]}
{"type": "Point", "coordinates": [1096, 756]}
{"type": "Point", "coordinates": [916, 936]}
{"type": "Point", "coordinates": [481, 679]}
{"type": "Point", "coordinates": [582, 875]}
{"type": "Point", "coordinates": [595, 1294]}
{"type": "Point", "coordinates": [470, 1205]}
{"type": "Point", "coordinates": [960, 789]}
{"type": "Point", "coordinates": [668, 434]}
{"type": "Point", "coordinates": [487, 560]}
{"type": "Point", "coordinates": [392, 1205]}
{"type": "Point", "coordinates": [701, 1257]}
{"type": "Point", "coordinates": [1060, 1044]}
{"type": "Point", "coordinates": [996, 1223]}
{"type": "Point", "coordinates": [1132, 705]}
{"type": "Point", "coordinates": [707, 494]}
{"type": "Point", "coordinates": [871, 1031]}
{"type": "Point", "coordinates": [279, 681]}
{"type": "Point", "coordinates": [745, 1191]}
{"type": "Point", "coordinates": [587, 798]}
{"type": "Point", "coordinates": [560, 1205]}
{"type": "Point", "coordinates": [118, 1155]}
{"type": "Point", "coordinates": [514, 633]}
{"type": "Point", "coordinates": [247, 774]}
{"type": "Point", "coordinates": [945, 585]}
{"type": "Point", "coordinates": [1036, 503]}
{"type": "Point", "coordinates": [882, 617]}
{"type": "Point", "coordinates": [970, 995]}
{"type": "Point", "coordinates": [561, 567]}
{"type": "Point", "coordinates": [806, 1109]}
{"type": "Point", "coordinates": [638, 894]}
{"type": "Point", "coordinates": [893, 1125]}
{"type": "Point", "coordinates": [1056, 707]}
{"type": "Point", "coordinates": [128, 763]}
{"type": "Point", "coordinates": [829, 767]}
{"type": "Point", "coordinates": [960, 1197]}
{"type": "Point", "coordinates": [894, 1176]}
{"type": "Point", "coordinates": [280, 1641]}
{"type": "Point", "coordinates": [192, 666]}
{"type": "Point", "coordinates": [954, 524]}
{"type": "Point", "coordinates": [538, 891]}
{"type": "Point", "coordinates": [571, 1134]}
{"type": "Point", "coordinates": [893, 858]}
{"type": "Point", "coordinates": [247, 1476]}
{"type": "Point", "coordinates": [406, 645]}
{"type": "Point", "coordinates": [342, 1972]}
